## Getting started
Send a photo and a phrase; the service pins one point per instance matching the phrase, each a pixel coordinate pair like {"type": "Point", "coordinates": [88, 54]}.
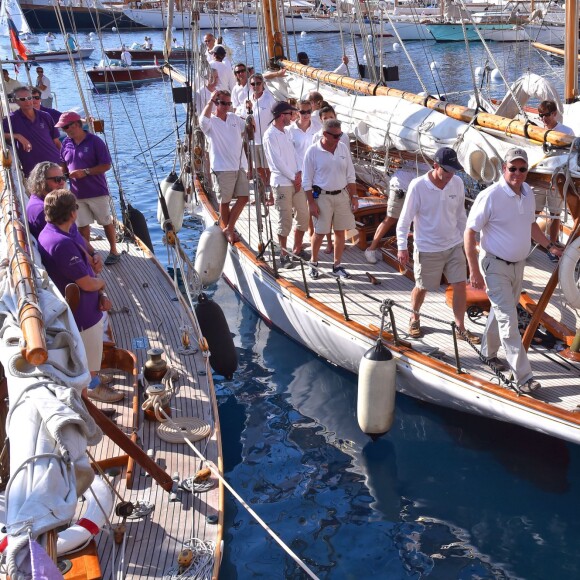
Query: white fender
{"type": "Point", "coordinates": [175, 200]}
{"type": "Point", "coordinates": [92, 521]}
{"type": "Point", "coordinates": [166, 183]}
{"type": "Point", "coordinates": [567, 273]}
{"type": "Point", "coordinates": [375, 408]}
{"type": "Point", "coordinates": [211, 255]}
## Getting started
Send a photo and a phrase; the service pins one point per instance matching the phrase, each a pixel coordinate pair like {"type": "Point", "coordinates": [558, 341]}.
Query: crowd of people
{"type": "Point", "coordinates": [300, 151]}
{"type": "Point", "coordinates": [59, 217]}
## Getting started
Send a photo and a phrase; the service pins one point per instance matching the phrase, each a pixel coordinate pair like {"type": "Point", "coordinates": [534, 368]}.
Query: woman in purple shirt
{"type": "Point", "coordinates": [67, 262]}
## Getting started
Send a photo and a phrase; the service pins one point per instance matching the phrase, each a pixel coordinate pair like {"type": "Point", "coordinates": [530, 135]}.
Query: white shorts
{"type": "Point", "coordinates": [93, 340]}
{"type": "Point", "coordinates": [94, 209]}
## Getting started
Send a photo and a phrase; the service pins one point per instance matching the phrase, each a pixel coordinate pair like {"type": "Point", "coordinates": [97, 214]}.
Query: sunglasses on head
{"type": "Point", "coordinates": [334, 135]}
{"type": "Point", "coordinates": [514, 169]}
{"type": "Point", "coordinates": [306, 112]}
{"type": "Point", "coordinates": [23, 99]}
{"type": "Point", "coordinates": [58, 179]}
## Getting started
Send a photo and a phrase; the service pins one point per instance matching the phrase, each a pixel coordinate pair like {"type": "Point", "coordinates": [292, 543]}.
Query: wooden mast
{"type": "Point", "coordinates": [30, 317]}
{"type": "Point", "coordinates": [571, 53]}
{"type": "Point", "coordinates": [274, 42]}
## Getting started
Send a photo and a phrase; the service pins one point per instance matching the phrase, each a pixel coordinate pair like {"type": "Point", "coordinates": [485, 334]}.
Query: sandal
{"type": "Point", "coordinates": [112, 259]}
{"type": "Point", "coordinates": [415, 329]}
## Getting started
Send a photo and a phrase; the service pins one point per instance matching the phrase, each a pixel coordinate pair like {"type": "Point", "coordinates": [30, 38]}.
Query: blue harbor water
{"type": "Point", "coordinates": [444, 495]}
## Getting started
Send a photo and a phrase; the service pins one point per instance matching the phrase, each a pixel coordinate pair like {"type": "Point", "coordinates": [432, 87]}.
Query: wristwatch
{"type": "Point", "coordinates": [87, 171]}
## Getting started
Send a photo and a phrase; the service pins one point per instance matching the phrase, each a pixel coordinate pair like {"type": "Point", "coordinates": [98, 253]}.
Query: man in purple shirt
{"type": "Point", "coordinates": [34, 132]}
{"type": "Point", "coordinates": [38, 106]}
{"type": "Point", "coordinates": [66, 262]}
{"type": "Point", "coordinates": [86, 159]}
{"type": "Point", "coordinates": [44, 178]}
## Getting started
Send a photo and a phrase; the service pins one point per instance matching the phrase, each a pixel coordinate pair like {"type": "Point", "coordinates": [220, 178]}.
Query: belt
{"type": "Point", "coordinates": [335, 192]}
{"type": "Point", "coordinates": [500, 259]}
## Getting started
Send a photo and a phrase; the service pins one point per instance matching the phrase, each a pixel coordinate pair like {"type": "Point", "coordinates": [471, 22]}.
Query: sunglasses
{"type": "Point", "coordinates": [256, 84]}
{"type": "Point", "coordinates": [23, 99]}
{"type": "Point", "coordinates": [36, 97]}
{"type": "Point", "coordinates": [239, 72]}
{"type": "Point", "coordinates": [58, 179]}
{"type": "Point", "coordinates": [39, 71]}
{"type": "Point", "coordinates": [225, 103]}
{"type": "Point", "coordinates": [66, 127]}
{"type": "Point", "coordinates": [334, 135]}
{"type": "Point", "coordinates": [306, 112]}
{"type": "Point", "coordinates": [514, 169]}
{"type": "Point", "coordinates": [542, 115]}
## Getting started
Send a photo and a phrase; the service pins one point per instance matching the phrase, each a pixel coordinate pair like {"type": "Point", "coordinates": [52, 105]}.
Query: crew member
{"type": "Point", "coordinates": [503, 215]}
{"type": "Point", "coordinates": [35, 134]}
{"type": "Point", "coordinates": [86, 159]}
{"type": "Point", "coordinates": [435, 204]}
{"type": "Point", "coordinates": [286, 181]}
{"type": "Point", "coordinates": [43, 83]}
{"type": "Point", "coordinates": [38, 106]}
{"type": "Point", "coordinates": [67, 263]}
{"type": "Point", "coordinates": [329, 182]}
{"type": "Point", "coordinates": [226, 80]}
{"type": "Point", "coordinates": [228, 161]}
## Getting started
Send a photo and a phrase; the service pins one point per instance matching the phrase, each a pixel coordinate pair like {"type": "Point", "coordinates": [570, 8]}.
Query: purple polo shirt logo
{"type": "Point", "coordinates": [73, 260]}
{"type": "Point", "coordinates": [86, 150]}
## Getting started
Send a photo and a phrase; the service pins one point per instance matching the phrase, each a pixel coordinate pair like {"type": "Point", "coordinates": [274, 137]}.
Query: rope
{"type": "Point", "coordinates": [202, 562]}
{"type": "Point", "coordinates": [214, 469]}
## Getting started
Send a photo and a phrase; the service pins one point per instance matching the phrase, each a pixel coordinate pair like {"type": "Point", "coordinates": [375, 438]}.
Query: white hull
{"type": "Point", "coordinates": [515, 34]}
{"type": "Point", "coordinates": [155, 18]}
{"type": "Point", "coordinates": [546, 34]}
{"type": "Point", "coordinates": [343, 346]}
{"type": "Point", "coordinates": [58, 55]}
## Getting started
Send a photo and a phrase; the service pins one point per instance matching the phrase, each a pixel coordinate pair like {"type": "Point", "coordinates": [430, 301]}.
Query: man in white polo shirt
{"type": "Point", "coordinates": [503, 215]}
{"type": "Point", "coordinates": [329, 182]}
{"type": "Point", "coordinates": [286, 181]}
{"type": "Point", "coordinates": [227, 159]}
{"type": "Point", "coordinates": [435, 203]}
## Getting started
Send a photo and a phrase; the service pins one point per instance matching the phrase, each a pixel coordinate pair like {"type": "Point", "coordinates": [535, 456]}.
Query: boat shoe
{"type": "Point", "coordinates": [530, 386]}
{"type": "Point", "coordinates": [415, 330]}
{"type": "Point", "coordinates": [105, 394]}
{"type": "Point", "coordinates": [467, 336]}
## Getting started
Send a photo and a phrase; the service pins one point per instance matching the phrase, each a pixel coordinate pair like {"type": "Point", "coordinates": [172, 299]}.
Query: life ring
{"type": "Point", "coordinates": [99, 500]}
{"type": "Point", "coordinates": [567, 273]}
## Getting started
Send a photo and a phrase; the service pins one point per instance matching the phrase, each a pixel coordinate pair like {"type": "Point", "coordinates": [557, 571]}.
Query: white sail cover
{"type": "Point", "coordinates": [47, 416]}
{"type": "Point", "coordinates": [12, 8]}
{"type": "Point", "coordinates": [391, 122]}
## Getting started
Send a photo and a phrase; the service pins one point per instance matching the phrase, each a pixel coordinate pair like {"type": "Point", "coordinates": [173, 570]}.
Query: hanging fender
{"type": "Point", "coordinates": [567, 273]}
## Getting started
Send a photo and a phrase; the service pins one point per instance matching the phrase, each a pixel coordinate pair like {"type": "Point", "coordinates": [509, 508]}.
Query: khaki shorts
{"type": "Point", "coordinates": [94, 209]}
{"type": "Point", "coordinates": [430, 266]}
{"type": "Point", "coordinates": [550, 199]}
{"type": "Point", "coordinates": [230, 184]}
{"type": "Point", "coordinates": [259, 157]}
{"type": "Point", "coordinates": [334, 211]}
{"type": "Point", "coordinates": [395, 203]}
{"type": "Point", "coordinates": [93, 340]}
{"type": "Point", "coordinates": [286, 199]}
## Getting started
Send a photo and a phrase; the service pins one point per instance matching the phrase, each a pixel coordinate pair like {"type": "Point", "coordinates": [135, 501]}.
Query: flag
{"type": "Point", "coordinates": [43, 568]}
{"type": "Point", "coordinates": [15, 40]}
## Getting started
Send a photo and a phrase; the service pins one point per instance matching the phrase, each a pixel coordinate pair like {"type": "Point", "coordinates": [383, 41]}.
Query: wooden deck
{"type": "Point", "coordinates": [560, 378]}
{"type": "Point", "coordinates": [147, 314]}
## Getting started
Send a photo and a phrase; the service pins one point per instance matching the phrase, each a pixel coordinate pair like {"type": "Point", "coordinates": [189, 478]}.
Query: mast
{"type": "Point", "coordinates": [274, 43]}
{"type": "Point", "coordinates": [571, 53]}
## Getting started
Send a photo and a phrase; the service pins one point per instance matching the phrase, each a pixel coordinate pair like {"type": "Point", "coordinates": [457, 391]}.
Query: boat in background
{"type": "Point", "coordinates": [61, 55]}
{"type": "Point", "coordinates": [117, 75]}
{"type": "Point", "coordinates": [77, 15]}
{"type": "Point", "coordinates": [10, 9]}
{"type": "Point", "coordinates": [139, 55]}
{"type": "Point", "coordinates": [157, 18]}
